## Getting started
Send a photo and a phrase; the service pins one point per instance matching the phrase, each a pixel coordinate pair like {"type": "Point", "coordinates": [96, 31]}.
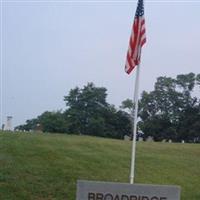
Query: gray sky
{"type": "Point", "coordinates": [50, 47]}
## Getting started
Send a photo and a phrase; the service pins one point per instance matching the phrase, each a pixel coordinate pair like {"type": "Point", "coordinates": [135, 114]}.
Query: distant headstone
{"type": "Point", "coordinates": [164, 140]}
{"type": "Point", "coordinates": [140, 139]}
{"type": "Point", "coordinates": [183, 141]}
{"type": "Point", "coordinates": [170, 141]}
{"type": "Point", "coordinates": [38, 128]}
{"type": "Point", "coordinates": [149, 139]}
{"type": "Point", "coordinates": [90, 190]}
{"type": "Point", "coordinates": [127, 138]}
{"type": "Point", "coordinates": [3, 127]}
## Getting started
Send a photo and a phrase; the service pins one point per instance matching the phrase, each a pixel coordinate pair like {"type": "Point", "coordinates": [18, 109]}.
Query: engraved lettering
{"type": "Point", "coordinates": [91, 196]}
{"type": "Point", "coordinates": [155, 198]}
{"type": "Point", "coordinates": [108, 197]}
{"type": "Point", "coordinates": [133, 197]}
{"type": "Point", "coordinates": [124, 197]}
{"type": "Point", "coordinates": [116, 197]}
{"type": "Point", "coordinates": [145, 198]}
{"type": "Point", "coordinates": [99, 196]}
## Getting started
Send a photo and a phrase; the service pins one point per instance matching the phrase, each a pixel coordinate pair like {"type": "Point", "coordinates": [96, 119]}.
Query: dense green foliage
{"type": "Point", "coordinates": [47, 166]}
{"type": "Point", "coordinates": [53, 122]}
{"type": "Point", "coordinates": [170, 111]}
{"type": "Point", "coordinates": [87, 113]}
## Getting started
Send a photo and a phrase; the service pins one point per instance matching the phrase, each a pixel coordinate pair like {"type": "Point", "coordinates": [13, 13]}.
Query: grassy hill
{"type": "Point", "coordinates": [47, 166]}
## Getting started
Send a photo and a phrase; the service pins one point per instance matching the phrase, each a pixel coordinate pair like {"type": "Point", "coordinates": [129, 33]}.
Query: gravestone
{"type": "Point", "coordinates": [127, 138]}
{"type": "Point", "coordinates": [149, 139]}
{"type": "Point", "coordinates": [91, 190]}
{"type": "Point", "coordinates": [140, 139]}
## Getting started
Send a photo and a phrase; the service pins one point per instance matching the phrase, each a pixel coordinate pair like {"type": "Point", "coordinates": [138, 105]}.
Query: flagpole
{"type": "Point", "coordinates": [136, 93]}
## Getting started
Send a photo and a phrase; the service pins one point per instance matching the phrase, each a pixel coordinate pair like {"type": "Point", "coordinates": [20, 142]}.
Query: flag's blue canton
{"type": "Point", "coordinates": [140, 9]}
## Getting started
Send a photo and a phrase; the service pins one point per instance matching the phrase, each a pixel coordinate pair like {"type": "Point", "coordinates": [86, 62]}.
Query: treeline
{"type": "Point", "coordinates": [87, 113]}
{"type": "Point", "coordinates": [170, 111]}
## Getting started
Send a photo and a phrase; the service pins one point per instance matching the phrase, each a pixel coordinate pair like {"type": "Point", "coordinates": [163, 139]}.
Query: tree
{"type": "Point", "coordinates": [127, 105]}
{"type": "Point", "coordinates": [165, 111]}
{"type": "Point", "coordinates": [189, 126]}
{"type": "Point", "coordinates": [198, 79]}
{"type": "Point", "coordinates": [30, 125]}
{"type": "Point", "coordinates": [89, 113]}
{"type": "Point", "coordinates": [53, 122]}
{"type": "Point", "coordinates": [85, 107]}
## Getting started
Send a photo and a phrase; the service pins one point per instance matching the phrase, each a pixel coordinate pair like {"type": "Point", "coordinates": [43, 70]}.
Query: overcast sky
{"type": "Point", "coordinates": [50, 47]}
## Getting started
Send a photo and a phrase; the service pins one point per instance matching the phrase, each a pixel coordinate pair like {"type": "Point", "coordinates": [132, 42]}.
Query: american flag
{"type": "Point", "coordinates": [137, 39]}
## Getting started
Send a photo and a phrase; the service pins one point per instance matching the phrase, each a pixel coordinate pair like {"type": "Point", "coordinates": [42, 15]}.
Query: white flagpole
{"type": "Point", "coordinates": [136, 93]}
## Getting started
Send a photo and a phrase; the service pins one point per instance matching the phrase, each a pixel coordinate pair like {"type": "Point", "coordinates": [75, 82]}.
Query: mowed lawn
{"type": "Point", "coordinates": [47, 166]}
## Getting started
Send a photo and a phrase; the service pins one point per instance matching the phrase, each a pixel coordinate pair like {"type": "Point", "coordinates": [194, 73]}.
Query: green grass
{"type": "Point", "coordinates": [47, 166]}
